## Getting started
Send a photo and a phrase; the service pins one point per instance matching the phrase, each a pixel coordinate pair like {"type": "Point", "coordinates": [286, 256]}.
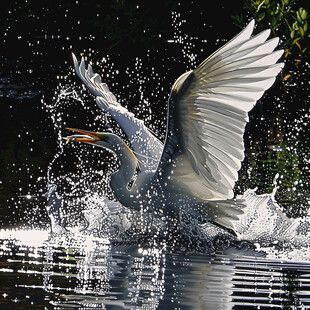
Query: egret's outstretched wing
{"type": "Point", "coordinates": [208, 111]}
{"type": "Point", "coordinates": [141, 138]}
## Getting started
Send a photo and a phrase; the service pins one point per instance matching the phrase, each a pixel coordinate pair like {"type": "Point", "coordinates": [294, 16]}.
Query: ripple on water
{"type": "Point", "coordinates": [86, 273]}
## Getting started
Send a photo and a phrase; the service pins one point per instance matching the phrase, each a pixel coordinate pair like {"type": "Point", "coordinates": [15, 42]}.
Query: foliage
{"type": "Point", "coordinates": [285, 21]}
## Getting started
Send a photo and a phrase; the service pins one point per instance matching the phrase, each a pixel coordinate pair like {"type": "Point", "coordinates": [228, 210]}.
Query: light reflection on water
{"type": "Point", "coordinates": [38, 270]}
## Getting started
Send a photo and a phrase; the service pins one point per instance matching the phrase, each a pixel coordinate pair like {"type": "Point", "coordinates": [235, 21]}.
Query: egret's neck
{"type": "Point", "coordinates": [121, 178]}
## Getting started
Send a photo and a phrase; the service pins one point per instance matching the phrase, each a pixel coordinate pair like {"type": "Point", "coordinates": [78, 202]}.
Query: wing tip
{"type": "Point", "coordinates": [75, 62]}
{"type": "Point", "coordinates": [251, 24]}
{"type": "Point", "coordinates": [248, 29]}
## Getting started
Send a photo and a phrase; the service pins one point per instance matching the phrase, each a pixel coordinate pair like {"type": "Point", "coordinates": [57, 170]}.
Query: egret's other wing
{"type": "Point", "coordinates": [208, 111]}
{"type": "Point", "coordinates": [93, 82]}
{"type": "Point", "coordinates": [142, 140]}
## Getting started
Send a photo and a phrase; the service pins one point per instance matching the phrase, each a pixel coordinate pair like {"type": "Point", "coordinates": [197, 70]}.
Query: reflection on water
{"type": "Point", "coordinates": [38, 270]}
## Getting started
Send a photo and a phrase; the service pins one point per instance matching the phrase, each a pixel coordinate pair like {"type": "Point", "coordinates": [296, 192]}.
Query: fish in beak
{"type": "Point", "coordinates": [86, 137]}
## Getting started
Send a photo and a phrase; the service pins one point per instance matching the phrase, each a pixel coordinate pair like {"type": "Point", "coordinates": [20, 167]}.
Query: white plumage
{"type": "Point", "coordinates": [208, 111]}
{"type": "Point", "coordinates": [142, 140]}
{"type": "Point", "coordinates": [211, 113]}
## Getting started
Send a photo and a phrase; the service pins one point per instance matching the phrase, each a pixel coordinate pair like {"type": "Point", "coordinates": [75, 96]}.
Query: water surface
{"type": "Point", "coordinates": [41, 272]}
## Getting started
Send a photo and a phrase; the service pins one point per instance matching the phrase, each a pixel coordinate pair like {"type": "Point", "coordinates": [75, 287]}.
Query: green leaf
{"type": "Point", "coordinates": [303, 13]}
{"type": "Point", "coordinates": [260, 5]}
{"type": "Point", "coordinates": [273, 22]}
{"type": "Point", "coordinates": [261, 16]}
{"type": "Point", "coordinates": [298, 17]}
{"type": "Point", "coordinates": [296, 40]}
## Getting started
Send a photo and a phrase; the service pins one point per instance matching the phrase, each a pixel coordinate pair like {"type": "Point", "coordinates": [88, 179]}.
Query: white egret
{"type": "Point", "coordinates": [207, 113]}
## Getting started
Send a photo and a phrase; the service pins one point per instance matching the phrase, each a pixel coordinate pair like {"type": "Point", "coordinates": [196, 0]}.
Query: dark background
{"type": "Point", "coordinates": [37, 38]}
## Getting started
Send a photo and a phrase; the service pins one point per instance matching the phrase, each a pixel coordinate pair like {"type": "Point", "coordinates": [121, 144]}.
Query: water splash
{"type": "Point", "coordinates": [86, 204]}
{"type": "Point", "coordinates": [265, 223]}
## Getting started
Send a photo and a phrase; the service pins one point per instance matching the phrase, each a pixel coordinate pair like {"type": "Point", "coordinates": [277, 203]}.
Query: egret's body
{"type": "Point", "coordinates": [196, 169]}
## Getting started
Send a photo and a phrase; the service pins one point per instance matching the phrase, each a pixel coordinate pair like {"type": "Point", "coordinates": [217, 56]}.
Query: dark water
{"type": "Point", "coordinates": [89, 273]}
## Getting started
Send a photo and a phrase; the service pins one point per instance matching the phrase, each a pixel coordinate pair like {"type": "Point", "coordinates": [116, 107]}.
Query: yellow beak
{"type": "Point", "coordinates": [90, 137]}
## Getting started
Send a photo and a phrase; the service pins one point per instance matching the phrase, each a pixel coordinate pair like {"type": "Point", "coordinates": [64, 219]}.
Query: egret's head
{"type": "Point", "coordinates": [106, 140]}
{"type": "Point", "coordinates": [97, 138]}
